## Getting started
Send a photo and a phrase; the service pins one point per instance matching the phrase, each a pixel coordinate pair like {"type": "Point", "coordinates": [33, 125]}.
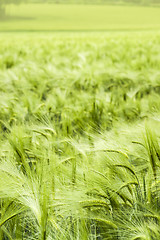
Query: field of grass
{"type": "Point", "coordinates": [52, 17]}
{"type": "Point", "coordinates": [80, 136]}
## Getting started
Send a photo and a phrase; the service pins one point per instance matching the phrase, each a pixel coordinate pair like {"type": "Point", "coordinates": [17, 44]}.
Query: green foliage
{"type": "Point", "coordinates": [80, 142]}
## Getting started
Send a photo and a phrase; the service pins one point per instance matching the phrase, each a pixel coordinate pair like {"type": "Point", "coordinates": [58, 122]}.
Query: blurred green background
{"type": "Point", "coordinates": [84, 16]}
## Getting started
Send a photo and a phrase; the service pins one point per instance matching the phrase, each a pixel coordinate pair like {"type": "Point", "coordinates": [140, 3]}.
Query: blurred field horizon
{"type": "Point", "coordinates": [74, 17]}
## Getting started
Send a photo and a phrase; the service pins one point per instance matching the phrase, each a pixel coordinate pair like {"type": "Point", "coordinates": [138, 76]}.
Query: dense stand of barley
{"type": "Point", "coordinates": [79, 121]}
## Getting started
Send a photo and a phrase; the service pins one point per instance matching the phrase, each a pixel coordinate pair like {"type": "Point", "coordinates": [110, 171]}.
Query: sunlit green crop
{"type": "Point", "coordinates": [80, 136]}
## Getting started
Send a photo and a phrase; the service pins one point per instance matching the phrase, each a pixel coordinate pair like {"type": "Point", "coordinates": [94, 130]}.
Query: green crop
{"type": "Point", "coordinates": [80, 139]}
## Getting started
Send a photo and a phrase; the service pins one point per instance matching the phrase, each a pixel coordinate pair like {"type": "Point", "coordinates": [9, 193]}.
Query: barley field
{"type": "Point", "coordinates": [80, 132]}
